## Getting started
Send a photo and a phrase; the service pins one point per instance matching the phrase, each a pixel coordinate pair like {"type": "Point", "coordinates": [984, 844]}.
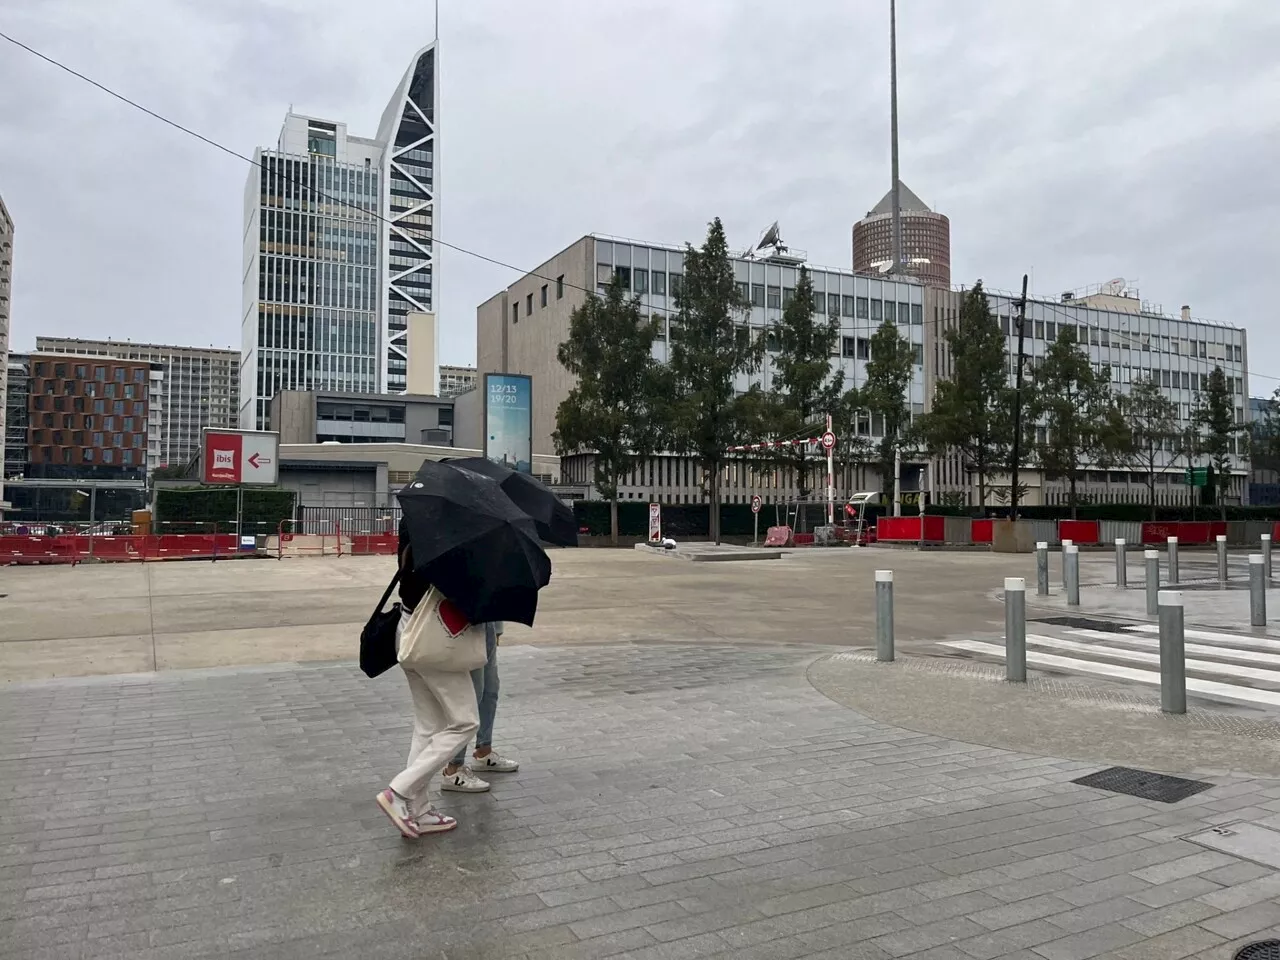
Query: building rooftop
{"type": "Point", "coordinates": [908, 202]}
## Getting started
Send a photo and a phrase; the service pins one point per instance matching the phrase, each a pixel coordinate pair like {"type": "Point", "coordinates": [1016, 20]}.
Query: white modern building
{"type": "Point", "coordinates": [456, 380]}
{"type": "Point", "coordinates": [200, 388]}
{"type": "Point", "coordinates": [6, 277]}
{"type": "Point", "coordinates": [339, 253]}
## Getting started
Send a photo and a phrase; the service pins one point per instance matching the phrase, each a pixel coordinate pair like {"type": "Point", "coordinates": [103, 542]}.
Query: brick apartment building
{"type": "Point", "coordinates": [92, 412]}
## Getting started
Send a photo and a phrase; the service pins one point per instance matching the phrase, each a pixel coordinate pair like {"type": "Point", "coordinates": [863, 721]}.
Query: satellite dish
{"type": "Point", "coordinates": [770, 237]}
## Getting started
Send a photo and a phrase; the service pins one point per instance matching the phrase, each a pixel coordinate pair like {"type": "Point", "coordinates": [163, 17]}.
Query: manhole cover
{"type": "Point", "coordinates": [1081, 623]}
{"type": "Point", "coordinates": [1144, 784]}
{"type": "Point", "coordinates": [1262, 950]}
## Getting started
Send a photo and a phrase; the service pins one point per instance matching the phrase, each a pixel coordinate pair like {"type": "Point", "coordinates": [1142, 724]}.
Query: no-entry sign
{"type": "Point", "coordinates": [755, 504]}
{"type": "Point", "coordinates": [240, 456]}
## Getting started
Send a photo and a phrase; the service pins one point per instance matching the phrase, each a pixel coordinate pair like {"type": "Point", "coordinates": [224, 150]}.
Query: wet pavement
{"type": "Point", "coordinates": [676, 800]}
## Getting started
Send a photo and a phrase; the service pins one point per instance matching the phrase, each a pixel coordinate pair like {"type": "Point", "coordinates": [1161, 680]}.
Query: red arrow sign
{"type": "Point", "coordinates": [256, 461]}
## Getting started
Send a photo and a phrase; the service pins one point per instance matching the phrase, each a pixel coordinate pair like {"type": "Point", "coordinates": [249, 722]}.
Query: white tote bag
{"type": "Point", "coordinates": [436, 638]}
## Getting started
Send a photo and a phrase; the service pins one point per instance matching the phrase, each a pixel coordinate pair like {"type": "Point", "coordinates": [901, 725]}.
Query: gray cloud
{"type": "Point", "coordinates": [1083, 138]}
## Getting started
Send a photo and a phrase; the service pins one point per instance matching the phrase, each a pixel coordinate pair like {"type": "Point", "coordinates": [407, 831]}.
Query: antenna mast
{"type": "Point", "coordinates": [893, 135]}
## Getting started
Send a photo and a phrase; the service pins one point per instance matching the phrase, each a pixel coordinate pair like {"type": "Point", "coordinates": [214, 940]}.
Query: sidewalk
{"type": "Point", "coordinates": [676, 801]}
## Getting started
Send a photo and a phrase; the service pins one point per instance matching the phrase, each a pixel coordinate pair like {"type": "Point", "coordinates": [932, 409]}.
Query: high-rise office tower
{"type": "Point", "coordinates": [339, 253]}
{"type": "Point", "coordinates": [6, 274]}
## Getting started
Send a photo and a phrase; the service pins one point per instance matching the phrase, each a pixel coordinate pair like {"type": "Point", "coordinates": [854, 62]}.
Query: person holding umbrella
{"type": "Point", "coordinates": [462, 536]}
{"type": "Point", "coordinates": [554, 521]}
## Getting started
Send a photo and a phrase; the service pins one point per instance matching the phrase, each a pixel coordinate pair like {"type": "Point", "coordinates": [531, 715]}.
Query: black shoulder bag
{"type": "Point", "coordinates": [378, 638]}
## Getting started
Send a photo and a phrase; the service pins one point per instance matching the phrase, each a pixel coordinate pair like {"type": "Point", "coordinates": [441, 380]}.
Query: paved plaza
{"type": "Point", "coordinates": [713, 766]}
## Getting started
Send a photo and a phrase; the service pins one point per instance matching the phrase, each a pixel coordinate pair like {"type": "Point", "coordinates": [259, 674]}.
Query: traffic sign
{"type": "Point", "coordinates": [1197, 476]}
{"type": "Point", "coordinates": [655, 523]}
{"type": "Point", "coordinates": [755, 504]}
{"type": "Point", "coordinates": [240, 456]}
{"type": "Point", "coordinates": [828, 440]}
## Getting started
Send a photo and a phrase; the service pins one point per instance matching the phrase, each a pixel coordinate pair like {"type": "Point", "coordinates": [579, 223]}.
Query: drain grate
{"type": "Point", "coordinates": [1144, 784]}
{"type": "Point", "coordinates": [1081, 623]}
{"type": "Point", "coordinates": [1262, 950]}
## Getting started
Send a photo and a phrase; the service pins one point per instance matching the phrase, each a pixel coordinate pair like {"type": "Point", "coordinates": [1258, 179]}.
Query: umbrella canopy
{"type": "Point", "coordinates": [553, 517]}
{"type": "Point", "coordinates": [471, 542]}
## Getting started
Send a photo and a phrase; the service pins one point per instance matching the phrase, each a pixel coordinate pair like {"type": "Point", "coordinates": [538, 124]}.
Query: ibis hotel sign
{"type": "Point", "coordinates": [234, 457]}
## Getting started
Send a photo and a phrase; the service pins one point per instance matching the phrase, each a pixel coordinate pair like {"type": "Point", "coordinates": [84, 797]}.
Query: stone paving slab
{"type": "Point", "coordinates": [676, 801]}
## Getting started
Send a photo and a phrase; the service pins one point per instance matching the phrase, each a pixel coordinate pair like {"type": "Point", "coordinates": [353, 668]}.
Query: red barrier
{"type": "Point", "coordinates": [1188, 532]}
{"type": "Point", "coordinates": [1275, 533]}
{"type": "Point", "coordinates": [75, 549]}
{"type": "Point", "coordinates": [1086, 532]}
{"type": "Point", "coordinates": [935, 529]}
{"type": "Point", "coordinates": [778, 537]}
{"type": "Point", "coordinates": [980, 531]}
{"type": "Point", "coordinates": [899, 529]}
{"type": "Point", "coordinates": [374, 544]}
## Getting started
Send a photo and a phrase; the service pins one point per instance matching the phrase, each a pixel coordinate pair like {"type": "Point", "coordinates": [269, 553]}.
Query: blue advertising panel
{"type": "Point", "coordinates": [508, 420]}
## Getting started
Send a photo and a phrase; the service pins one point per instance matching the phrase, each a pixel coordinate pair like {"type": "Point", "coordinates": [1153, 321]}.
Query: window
{"type": "Point", "coordinates": [757, 294]}
{"type": "Point", "coordinates": [111, 390]}
{"type": "Point", "coordinates": [99, 406]}
{"type": "Point", "coordinates": [528, 305]}
{"type": "Point", "coordinates": [1051, 330]}
{"type": "Point", "coordinates": [677, 284]}
{"type": "Point", "coordinates": [77, 404]}
{"type": "Point", "coordinates": [560, 287]}
{"type": "Point", "coordinates": [848, 347]}
{"type": "Point", "coordinates": [917, 315]}
{"type": "Point", "coordinates": [919, 354]}
{"type": "Point", "coordinates": [90, 389]}
{"type": "Point", "coordinates": [515, 312]}
{"type": "Point", "coordinates": [118, 408]}
{"type": "Point", "coordinates": [139, 375]}
{"type": "Point", "coordinates": [890, 311]}
{"type": "Point", "coordinates": [864, 349]}
{"type": "Point", "coordinates": [640, 281]}
{"type": "Point", "coordinates": [88, 454]}
{"type": "Point", "coordinates": [743, 290]}
{"type": "Point", "coordinates": [875, 311]}
{"type": "Point", "coordinates": [1004, 325]}
{"type": "Point", "coordinates": [904, 313]}
{"type": "Point", "coordinates": [1164, 378]}
{"type": "Point", "coordinates": [773, 298]}
{"type": "Point", "coordinates": [446, 417]}
{"type": "Point", "coordinates": [833, 304]}
{"type": "Point", "coordinates": [139, 440]}
{"type": "Point", "coordinates": [1039, 330]}
{"type": "Point", "coordinates": [624, 276]}
{"type": "Point", "coordinates": [120, 372]}
{"type": "Point", "coordinates": [97, 439]}
{"type": "Point", "coordinates": [788, 294]}
{"type": "Point", "coordinates": [1186, 380]}
{"type": "Point", "coordinates": [544, 295]}
{"type": "Point", "coordinates": [99, 373]}
{"type": "Point", "coordinates": [128, 424]}
{"type": "Point", "coordinates": [108, 456]}
{"type": "Point", "coordinates": [60, 403]}
{"type": "Point", "coordinates": [139, 408]}
{"type": "Point", "coordinates": [88, 423]}
{"type": "Point", "coordinates": [127, 457]}
{"type": "Point", "coordinates": [861, 308]}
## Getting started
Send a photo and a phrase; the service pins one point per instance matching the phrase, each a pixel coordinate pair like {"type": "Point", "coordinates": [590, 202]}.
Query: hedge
{"type": "Point", "coordinates": [263, 508]}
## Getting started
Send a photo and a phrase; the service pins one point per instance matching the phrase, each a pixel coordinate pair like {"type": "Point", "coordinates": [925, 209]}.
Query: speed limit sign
{"type": "Point", "coordinates": [755, 504]}
{"type": "Point", "coordinates": [828, 440]}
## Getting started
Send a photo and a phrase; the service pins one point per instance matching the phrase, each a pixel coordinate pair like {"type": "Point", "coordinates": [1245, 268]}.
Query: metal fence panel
{"type": "Point", "coordinates": [1113, 530]}
{"type": "Point", "coordinates": [958, 530]}
{"type": "Point", "coordinates": [350, 520]}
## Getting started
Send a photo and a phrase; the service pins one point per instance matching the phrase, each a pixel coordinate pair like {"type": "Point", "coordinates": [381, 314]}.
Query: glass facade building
{"type": "Point", "coordinates": [338, 250]}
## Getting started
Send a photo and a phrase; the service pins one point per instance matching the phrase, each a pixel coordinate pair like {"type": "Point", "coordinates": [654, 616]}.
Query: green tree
{"type": "Point", "coordinates": [805, 389]}
{"type": "Point", "coordinates": [884, 395]}
{"type": "Point", "coordinates": [1152, 420]}
{"type": "Point", "coordinates": [1072, 401]}
{"type": "Point", "coordinates": [708, 351]}
{"type": "Point", "coordinates": [1215, 420]}
{"type": "Point", "coordinates": [613, 409]}
{"type": "Point", "coordinates": [972, 409]}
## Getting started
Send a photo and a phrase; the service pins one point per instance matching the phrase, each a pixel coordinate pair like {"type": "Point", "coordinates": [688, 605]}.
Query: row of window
{"type": "Point", "coordinates": [82, 405]}
{"type": "Point", "coordinates": [97, 438]}
{"type": "Point", "coordinates": [542, 299]}
{"type": "Point", "coordinates": [41, 368]}
{"type": "Point", "coordinates": [86, 455]}
{"type": "Point", "coordinates": [1103, 337]}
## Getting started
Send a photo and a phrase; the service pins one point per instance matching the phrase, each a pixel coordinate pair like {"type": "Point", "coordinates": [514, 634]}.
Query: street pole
{"type": "Point", "coordinates": [897, 479]}
{"type": "Point", "coordinates": [893, 137]}
{"type": "Point", "coordinates": [1017, 405]}
{"type": "Point", "coordinates": [831, 481]}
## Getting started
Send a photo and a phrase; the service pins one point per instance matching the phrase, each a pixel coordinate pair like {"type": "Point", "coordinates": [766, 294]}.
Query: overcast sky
{"type": "Point", "coordinates": [1078, 140]}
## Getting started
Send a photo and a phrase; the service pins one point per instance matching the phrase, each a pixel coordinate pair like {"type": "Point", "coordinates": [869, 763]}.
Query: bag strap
{"type": "Point", "coordinates": [387, 593]}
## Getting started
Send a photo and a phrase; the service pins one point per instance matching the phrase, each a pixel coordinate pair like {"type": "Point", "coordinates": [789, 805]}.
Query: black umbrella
{"type": "Point", "coordinates": [470, 541]}
{"type": "Point", "coordinates": [554, 518]}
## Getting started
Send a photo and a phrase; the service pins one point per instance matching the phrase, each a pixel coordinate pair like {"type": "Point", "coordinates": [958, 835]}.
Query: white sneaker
{"type": "Point", "coordinates": [463, 780]}
{"type": "Point", "coordinates": [432, 820]}
{"type": "Point", "coordinates": [494, 763]}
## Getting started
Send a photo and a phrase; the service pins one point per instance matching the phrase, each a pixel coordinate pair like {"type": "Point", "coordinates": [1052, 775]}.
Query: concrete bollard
{"type": "Point", "coordinates": [1066, 544]}
{"type": "Point", "coordinates": [1173, 560]}
{"type": "Point", "coordinates": [1266, 556]}
{"type": "Point", "coordinates": [884, 616]}
{"type": "Point", "coordinates": [1071, 573]}
{"type": "Point", "coordinates": [1173, 658]}
{"type": "Point", "coordinates": [1257, 592]}
{"type": "Point", "coordinates": [1042, 569]}
{"type": "Point", "coordinates": [1152, 560]}
{"type": "Point", "coordinates": [1015, 629]}
{"type": "Point", "coordinates": [1122, 568]}
{"type": "Point", "coordinates": [1222, 558]}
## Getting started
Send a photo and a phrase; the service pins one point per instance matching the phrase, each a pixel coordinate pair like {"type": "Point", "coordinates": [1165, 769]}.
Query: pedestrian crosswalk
{"type": "Point", "coordinates": [1220, 665]}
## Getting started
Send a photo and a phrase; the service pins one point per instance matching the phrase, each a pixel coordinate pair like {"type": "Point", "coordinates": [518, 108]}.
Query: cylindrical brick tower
{"type": "Point", "coordinates": [926, 240]}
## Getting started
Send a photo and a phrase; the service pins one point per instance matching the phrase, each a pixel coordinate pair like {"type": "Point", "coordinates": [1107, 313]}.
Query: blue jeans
{"type": "Point", "coordinates": [485, 680]}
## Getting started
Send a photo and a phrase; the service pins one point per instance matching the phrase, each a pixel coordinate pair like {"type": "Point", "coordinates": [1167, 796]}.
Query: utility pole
{"type": "Point", "coordinates": [1017, 405]}
{"type": "Point", "coordinates": [893, 135]}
